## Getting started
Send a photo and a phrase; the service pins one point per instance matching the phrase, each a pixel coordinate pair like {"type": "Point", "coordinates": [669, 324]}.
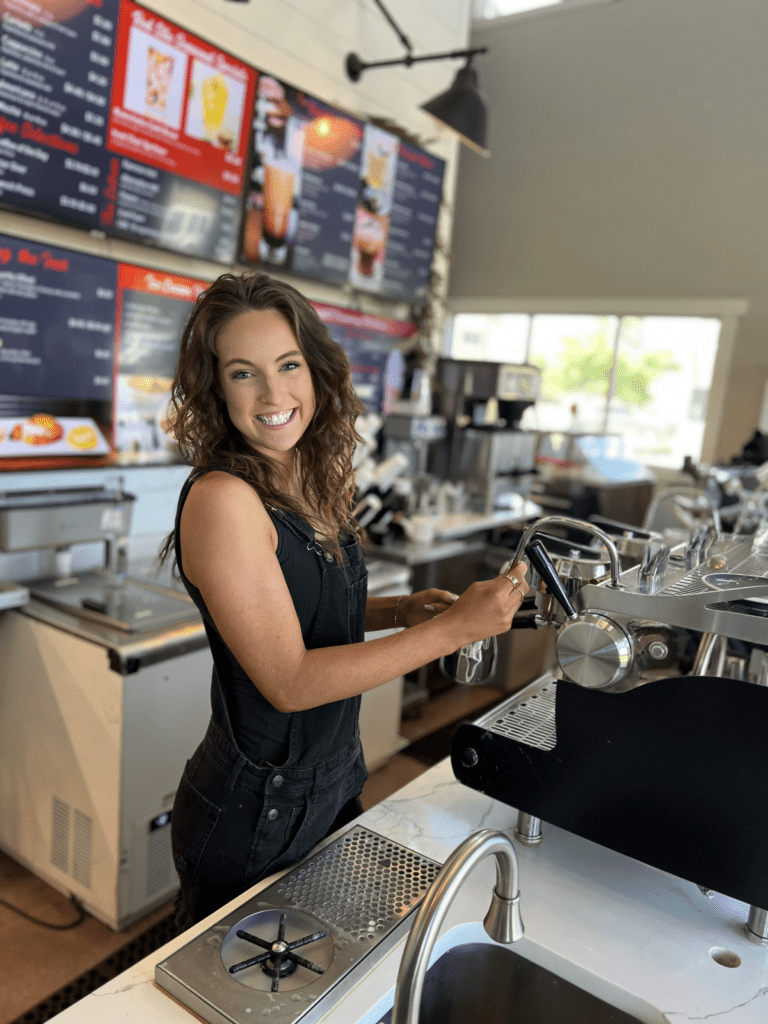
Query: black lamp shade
{"type": "Point", "coordinates": [462, 108]}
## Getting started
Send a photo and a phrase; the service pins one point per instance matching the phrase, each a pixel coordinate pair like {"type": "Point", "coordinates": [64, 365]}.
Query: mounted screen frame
{"type": "Point", "coordinates": [336, 199]}
{"type": "Point", "coordinates": [116, 120]}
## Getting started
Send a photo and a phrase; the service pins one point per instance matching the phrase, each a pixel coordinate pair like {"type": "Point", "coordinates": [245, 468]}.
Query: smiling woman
{"type": "Point", "coordinates": [269, 551]}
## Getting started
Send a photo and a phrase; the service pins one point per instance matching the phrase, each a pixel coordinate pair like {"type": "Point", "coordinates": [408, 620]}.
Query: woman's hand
{"type": "Point", "coordinates": [423, 606]}
{"type": "Point", "coordinates": [487, 607]}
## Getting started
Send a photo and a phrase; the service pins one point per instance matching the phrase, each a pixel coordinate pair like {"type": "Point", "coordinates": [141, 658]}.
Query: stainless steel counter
{"type": "Point", "coordinates": [127, 652]}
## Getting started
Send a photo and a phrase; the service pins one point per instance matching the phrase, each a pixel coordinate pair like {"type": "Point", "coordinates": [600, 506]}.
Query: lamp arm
{"type": "Point", "coordinates": [398, 31]}
{"type": "Point", "coordinates": [410, 59]}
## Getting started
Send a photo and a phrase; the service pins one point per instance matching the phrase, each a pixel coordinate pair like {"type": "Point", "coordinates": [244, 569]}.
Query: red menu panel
{"type": "Point", "coordinates": [178, 103]}
{"type": "Point", "coordinates": [152, 311]}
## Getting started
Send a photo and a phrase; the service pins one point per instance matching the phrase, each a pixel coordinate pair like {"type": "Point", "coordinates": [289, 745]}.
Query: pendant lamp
{"type": "Point", "coordinates": [461, 108]}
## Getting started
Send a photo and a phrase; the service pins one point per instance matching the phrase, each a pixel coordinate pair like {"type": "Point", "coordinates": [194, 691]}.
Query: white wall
{"type": "Point", "coordinates": [629, 160]}
{"type": "Point", "coordinates": [305, 43]}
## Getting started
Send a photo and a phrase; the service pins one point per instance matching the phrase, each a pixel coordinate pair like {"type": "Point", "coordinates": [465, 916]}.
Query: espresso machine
{"type": "Point", "coordinates": [485, 447]}
{"type": "Point", "coordinates": [649, 734]}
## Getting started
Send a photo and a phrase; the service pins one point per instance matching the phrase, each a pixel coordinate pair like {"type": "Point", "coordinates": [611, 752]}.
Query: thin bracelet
{"type": "Point", "coordinates": [397, 606]}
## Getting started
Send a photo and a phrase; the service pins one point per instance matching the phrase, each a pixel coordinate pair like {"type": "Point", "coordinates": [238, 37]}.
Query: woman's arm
{"type": "Point", "coordinates": [228, 544]}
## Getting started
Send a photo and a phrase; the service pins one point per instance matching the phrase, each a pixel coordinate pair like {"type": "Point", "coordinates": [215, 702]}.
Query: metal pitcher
{"type": "Point", "coordinates": [473, 664]}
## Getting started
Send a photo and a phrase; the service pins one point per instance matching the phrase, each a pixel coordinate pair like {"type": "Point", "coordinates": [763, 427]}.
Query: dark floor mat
{"type": "Point", "coordinates": [144, 944]}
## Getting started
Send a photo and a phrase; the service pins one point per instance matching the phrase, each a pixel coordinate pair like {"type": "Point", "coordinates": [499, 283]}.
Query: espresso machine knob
{"type": "Point", "coordinates": [593, 651]}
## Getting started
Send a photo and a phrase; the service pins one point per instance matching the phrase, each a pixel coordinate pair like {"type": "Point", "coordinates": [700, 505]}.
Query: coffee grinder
{"type": "Point", "coordinates": [485, 446]}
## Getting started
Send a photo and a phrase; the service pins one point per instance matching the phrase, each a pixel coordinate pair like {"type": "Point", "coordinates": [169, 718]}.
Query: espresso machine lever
{"type": "Point", "coordinates": [538, 557]}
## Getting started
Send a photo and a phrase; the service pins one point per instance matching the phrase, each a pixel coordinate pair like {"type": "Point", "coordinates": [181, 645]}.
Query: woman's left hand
{"type": "Point", "coordinates": [423, 606]}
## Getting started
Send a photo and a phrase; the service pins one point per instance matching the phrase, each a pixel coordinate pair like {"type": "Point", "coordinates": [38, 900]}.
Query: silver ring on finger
{"type": "Point", "coordinates": [513, 580]}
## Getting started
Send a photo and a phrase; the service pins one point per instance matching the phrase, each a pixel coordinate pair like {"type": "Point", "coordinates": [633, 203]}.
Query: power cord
{"type": "Point", "coordinates": [48, 924]}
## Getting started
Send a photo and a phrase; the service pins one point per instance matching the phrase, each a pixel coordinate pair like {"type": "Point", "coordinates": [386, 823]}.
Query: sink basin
{"type": "Point", "coordinates": [499, 986]}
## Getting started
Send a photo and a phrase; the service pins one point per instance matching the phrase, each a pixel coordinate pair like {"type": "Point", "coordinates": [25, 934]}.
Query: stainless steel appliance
{"type": "Point", "coordinates": [104, 692]}
{"type": "Point", "coordinates": [343, 908]}
{"type": "Point", "coordinates": [412, 434]}
{"type": "Point", "coordinates": [484, 446]}
{"type": "Point", "coordinates": [628, 744]}
{"type": "Point", "coordinates": [57, 519]}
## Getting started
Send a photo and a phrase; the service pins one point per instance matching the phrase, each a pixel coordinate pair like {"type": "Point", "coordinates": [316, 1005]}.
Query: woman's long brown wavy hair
{"type": "Point", "coordinates": [207, 437]}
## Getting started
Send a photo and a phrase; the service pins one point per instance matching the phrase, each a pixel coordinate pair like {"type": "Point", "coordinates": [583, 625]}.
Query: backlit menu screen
{"type": "Point", "coordinates": [153, 308]}
{"type": "Point", "coordinates": [57, 328]}
{"type": "Point", "coordinates": [88, 353]}
{"type": "Point", "coordinates": [338, 200]}
{"type": "Point", "coordinates": [372, 345]}
{"type": "Point", "coordinates": [114, 119]}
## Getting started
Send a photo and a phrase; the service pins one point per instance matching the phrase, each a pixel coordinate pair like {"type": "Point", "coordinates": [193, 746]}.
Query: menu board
{"type": "Point", "coordinates": [88, 352]}
{"type": "Point", "coordinates": [335, 199]}
{"type": "Point", "coordinates": [117, 120]}
{"type": "Point", "coordinates": [152, 310]}
{"type": "Point", "coordinates": [57, 326]}
{"type": "Point", "coordinates": [371, 342]}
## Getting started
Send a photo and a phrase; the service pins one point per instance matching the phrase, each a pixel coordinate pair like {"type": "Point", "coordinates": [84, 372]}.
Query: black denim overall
{"type": "Point", "coordinates": [265, 786]}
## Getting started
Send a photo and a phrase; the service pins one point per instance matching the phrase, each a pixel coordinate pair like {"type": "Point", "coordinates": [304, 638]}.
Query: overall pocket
{"type": "Point", "coordinates": [286, 831]}
{"type": "Point", "coordinates": [192, 823]}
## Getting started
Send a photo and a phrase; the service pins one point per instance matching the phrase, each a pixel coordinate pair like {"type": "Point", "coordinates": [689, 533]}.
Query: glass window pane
{"type": "Point", "coordinates": [500, 8]}
{"type": "Point", "coordinates": [575, 354]}
{"type": "Point", "coordinates": [663, 375]}
{"type": "Point", "coordinates": [487, 10]}
{"type": "Point", "coordinates": [489, 337]}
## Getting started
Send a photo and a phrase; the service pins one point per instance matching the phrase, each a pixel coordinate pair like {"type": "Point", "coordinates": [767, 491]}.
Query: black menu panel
{"type": "Point", "coordinates": [114, 119]}
{"type": "Point", "coordinates": [338, 200]}
{"type": "Point", "coordinates": [57, 328]}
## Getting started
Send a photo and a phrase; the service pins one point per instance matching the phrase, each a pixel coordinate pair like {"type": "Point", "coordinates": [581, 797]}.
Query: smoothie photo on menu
{"type": "Point", "coordinates": [279, 184]}
{"type": "Point", "coordinates": [369, 243]}
{"type": "Point", "coordinates": [281, 168]}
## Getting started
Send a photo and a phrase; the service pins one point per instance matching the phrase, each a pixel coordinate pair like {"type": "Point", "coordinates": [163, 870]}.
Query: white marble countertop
{"type": "Point", "coordinates": [642, 940]}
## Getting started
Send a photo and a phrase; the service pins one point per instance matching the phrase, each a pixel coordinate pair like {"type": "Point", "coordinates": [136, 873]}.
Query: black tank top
{"type": "Point", "coordinates": [330, 604]}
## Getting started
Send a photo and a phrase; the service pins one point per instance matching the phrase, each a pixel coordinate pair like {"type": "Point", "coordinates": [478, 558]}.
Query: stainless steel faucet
{"type": "Point", "coordinates": [502, 922]}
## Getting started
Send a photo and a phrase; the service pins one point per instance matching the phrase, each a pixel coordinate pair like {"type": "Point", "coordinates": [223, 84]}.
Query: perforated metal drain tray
{"type": "Point", "coordinates": [528, 716]}
{"type": "Point", "coordinates": [359, 890]}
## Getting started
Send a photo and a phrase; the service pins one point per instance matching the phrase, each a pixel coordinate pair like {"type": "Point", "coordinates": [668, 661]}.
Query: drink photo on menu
{"type": "Point", "coordinates": [272, 204]}
{"type": "Point", "coordinates": [281, 164]}
{"type": "Point", "coordinates": [154, 80]}
{"type": "Point", "coordinates": [369, 243]}
{"type": "Point", "coordinates": [215, 108]}
{"type": "Point", "coordinates": [378, 168]}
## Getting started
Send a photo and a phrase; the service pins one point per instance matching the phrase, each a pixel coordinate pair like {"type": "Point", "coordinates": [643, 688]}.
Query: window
{"type": "Point", "coordinates": [645, 378]}
{"type": "Point", "coordinates": [486, 10]}
{"type": "Point", "coordinates": [492, 339]}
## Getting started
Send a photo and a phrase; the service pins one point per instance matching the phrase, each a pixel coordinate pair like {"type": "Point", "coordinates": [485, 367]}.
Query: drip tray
{"type": "Point", "coordinates": [345, 905]}
{"type": "Point", "coordinates": [131, 605]}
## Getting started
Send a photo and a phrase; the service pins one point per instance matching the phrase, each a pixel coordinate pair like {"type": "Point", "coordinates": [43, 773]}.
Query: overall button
{"type": "Point", "coordinates": [277, 781]}
{"type": "Point", "coordinates": [272, 815]}
{"type": "Point", "coordinates": [328, 556]}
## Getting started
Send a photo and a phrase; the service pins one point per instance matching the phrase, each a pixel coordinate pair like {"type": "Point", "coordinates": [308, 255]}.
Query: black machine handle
{"type": "Point", "coordinates": [526, 618]}
{"type": "Point", "coordinates": [616, 528]}
{"type": "Point", "coordinates": [542, 563]}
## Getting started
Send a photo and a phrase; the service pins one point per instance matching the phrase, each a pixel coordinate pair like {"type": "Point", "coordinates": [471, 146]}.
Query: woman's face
{"type": "Point", "coordinates": [266, 382]}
